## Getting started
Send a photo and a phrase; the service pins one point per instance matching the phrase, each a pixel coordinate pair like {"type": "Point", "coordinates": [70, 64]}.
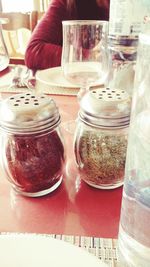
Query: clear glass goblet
{"type": "Point", "coordinates": [84, 54]}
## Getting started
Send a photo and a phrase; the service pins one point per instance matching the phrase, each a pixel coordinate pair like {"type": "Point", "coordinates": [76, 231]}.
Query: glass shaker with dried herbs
{"type": "Point", "coordinates": [32, 151]}
{"type": "Point", "coordinates": [101, 137]}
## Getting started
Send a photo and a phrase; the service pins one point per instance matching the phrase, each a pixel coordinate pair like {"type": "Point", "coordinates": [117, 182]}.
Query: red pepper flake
{"type": "Point", "coordinates": [34, 162]}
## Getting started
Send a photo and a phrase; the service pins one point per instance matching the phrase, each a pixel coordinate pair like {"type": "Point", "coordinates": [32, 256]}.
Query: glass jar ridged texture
{"type": "Point", "coordinates": [32, 144]}
{"type": "Point", "coordinates": [101, 138]}
{"type": "Point", "coordinates": [101, 155]}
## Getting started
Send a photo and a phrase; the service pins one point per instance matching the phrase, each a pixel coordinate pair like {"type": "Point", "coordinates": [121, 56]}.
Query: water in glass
{"type": "Point", "coordinates": [134, 233]}
{"type": "Point", "coordinates": [84, 54]}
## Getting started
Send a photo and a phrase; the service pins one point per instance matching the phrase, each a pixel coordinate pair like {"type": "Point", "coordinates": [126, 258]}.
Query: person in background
{"type": "Point", "coordinates": [45, 45]}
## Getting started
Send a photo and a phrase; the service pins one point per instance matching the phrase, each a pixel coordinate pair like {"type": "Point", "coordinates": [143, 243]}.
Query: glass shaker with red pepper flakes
{"type": "Point", "coordinates": [32, 151]}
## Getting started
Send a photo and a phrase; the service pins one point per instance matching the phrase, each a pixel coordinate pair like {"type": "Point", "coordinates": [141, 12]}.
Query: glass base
{"type": "Point", "coordinates": [105, 186]}
{"type": "Point", "coordinates": [132, 253]}
{"type": "Point", "coordinates": [81, 93]}
{"type": "Point", "coordinates": [40, 193]}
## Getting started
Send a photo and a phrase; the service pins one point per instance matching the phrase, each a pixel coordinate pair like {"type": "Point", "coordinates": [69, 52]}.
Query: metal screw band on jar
{"type": "Point", "coordinates": [106, 107]}
{"type": "Point", "coordinates": [29, 113]}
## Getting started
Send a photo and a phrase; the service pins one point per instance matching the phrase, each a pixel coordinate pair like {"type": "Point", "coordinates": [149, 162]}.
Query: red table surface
{"type": "Point", "coordinates": [74, 208]}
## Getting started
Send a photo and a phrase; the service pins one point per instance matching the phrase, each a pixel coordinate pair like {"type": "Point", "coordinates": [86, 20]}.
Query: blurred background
{"type": "Point", "coordinates": [22, 17]}
{"type": "Point", "coordinates": [23, 6]}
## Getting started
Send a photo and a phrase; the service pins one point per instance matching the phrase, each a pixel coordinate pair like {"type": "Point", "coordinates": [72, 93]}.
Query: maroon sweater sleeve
{"type": "Point", "coordinates": [45, 46]}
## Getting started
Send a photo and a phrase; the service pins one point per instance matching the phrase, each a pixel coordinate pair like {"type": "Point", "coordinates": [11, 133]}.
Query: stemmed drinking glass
{"type": "Point", "coordinates": [84, 56]}
{"type": "Point", "coordinates": [84, 53]}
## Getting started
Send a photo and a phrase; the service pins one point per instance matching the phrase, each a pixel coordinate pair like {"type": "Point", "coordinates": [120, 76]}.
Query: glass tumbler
{"type": "Point", "coordinates": [32, 151]}
{"type": "Point", "coordinates": [134, 232]}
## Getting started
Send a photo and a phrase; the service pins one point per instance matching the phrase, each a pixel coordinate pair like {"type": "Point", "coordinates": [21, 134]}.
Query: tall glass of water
{"type": "Point", "coordinates": [84, 54]}
{"type": "Point", "coordinates": [134, 231]}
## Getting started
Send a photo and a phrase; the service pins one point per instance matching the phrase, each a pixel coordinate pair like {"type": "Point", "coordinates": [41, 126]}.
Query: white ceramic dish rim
{"type": "Point", "coordinates": [25, 250]}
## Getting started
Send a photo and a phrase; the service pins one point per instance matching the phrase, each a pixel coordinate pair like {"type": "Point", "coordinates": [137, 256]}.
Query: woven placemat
{"type": "Point", "coordinates": [104, 249]}
{"type": "Point", "coordinates": [50, 90]}
{"type": "Point", "coordinates": [45, 90]}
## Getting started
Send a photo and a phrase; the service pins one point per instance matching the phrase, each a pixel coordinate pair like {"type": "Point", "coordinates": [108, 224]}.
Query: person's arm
{"type": "Point", "coordinates": [45, 46]}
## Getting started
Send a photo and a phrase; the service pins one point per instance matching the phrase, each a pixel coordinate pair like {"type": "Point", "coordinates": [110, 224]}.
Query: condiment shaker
{"type": "Point", "coordinates": [101, 136]}
{"type": "Point", "coordinates": [32, 151]}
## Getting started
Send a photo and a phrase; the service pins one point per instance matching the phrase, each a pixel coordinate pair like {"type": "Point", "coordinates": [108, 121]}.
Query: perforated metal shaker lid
{"type": "Point", "coordinates": [28, 113]}
{"type": "Point", "coordinates": [106, 107]}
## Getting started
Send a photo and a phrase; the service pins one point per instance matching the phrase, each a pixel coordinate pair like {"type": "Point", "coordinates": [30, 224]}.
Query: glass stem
{"type": "Point", "coordinates": [82, 92]}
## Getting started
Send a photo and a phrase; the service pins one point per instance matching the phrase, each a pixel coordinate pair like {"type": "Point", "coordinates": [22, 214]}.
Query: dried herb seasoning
{"type": "Point", "coordinates": [101, 157]}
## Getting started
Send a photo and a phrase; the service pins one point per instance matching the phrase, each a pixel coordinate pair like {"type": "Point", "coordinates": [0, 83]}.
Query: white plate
{"type": "Point", "coordinates": [54, 77]}
{"type": "Point", "coordinates": [30, 250]}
